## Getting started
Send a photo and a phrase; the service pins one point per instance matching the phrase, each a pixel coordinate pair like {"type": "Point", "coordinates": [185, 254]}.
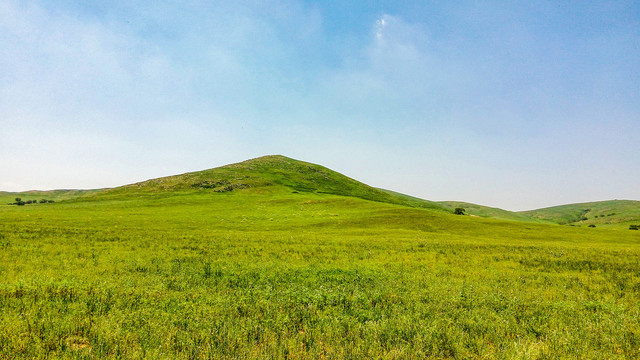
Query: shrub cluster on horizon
{"type": "Point", "coordinates": [20, 202]}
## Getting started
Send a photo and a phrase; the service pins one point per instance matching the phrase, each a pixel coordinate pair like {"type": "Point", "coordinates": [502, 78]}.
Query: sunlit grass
{"type": "Point", "coordinates": [204, 275]}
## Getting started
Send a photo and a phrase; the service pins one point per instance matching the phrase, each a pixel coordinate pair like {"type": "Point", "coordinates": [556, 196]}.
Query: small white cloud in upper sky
{"type": "Point", "coordinates": [381, 23]}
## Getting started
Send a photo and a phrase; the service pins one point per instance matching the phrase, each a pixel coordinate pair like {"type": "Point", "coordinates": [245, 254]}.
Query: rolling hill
{"type": "Point", "coordinates": [272, 174]}
{"type": "Point", "coordinates": [613, 213]}
{"type": "Point", "coordinates": [487, 212]}
{"type": "Point", "coordinates": [277, 174]}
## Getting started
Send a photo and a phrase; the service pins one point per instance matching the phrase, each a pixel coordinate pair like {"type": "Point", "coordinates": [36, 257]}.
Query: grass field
{"type": "Point", "coordinates": [305, 269]}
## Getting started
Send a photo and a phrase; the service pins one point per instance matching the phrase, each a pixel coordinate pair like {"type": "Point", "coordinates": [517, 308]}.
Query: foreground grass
{"type": "Point", "coordinates": [196, 275]}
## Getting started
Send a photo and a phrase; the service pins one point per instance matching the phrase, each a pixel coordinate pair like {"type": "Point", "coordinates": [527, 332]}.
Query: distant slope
{"type": "Point", "coordinates": [55, 195]}
{"type": "Point", "coordinates": [487, 212]}
{"type": "Point", "coordinates": [613, 213]}
{"type": "Point", "coordinates": [268, 174]}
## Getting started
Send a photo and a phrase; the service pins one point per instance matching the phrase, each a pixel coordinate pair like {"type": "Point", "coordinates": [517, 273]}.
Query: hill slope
{"type": "Point", "coordinates": [268, 175]}
{"type": "Point", "coordinates": [613, 213]}
{"type": "Point", "coordinates": [487, 212]}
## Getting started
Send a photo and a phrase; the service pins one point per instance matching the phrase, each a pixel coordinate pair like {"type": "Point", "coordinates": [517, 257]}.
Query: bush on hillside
{"type": "Point", "coordinates": [459, 211]}
{"type": "Point", "coordinates": [634, 227]}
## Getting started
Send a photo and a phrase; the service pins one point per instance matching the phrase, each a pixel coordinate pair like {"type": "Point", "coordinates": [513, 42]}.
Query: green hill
{"type": "Point", "coordinates": [613, 213]}
{"type": "Point", "coordinates": [487, 212]}
{"type": "Point", "coordinates": [274, 174]}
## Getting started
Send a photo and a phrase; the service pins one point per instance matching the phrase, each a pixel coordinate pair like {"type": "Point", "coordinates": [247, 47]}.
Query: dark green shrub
{"type": "Point", "coordinates": [459, 211]}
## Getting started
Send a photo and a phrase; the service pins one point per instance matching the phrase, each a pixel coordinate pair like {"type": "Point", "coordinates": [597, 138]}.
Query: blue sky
{"type": "Point", "coordinates": [517, 105]}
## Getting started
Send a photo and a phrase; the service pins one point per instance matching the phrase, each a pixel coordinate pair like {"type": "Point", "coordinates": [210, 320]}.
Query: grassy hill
{"type": "Point", "coordinates": [276, 258]}
{"type": "Point", "coordinates": [274, 174]}
{"type": "Point", "coordinates": [614, 213]}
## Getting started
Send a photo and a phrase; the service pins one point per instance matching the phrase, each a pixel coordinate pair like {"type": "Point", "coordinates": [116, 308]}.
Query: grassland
{"type": "Point", "coordinates": [275, 269]}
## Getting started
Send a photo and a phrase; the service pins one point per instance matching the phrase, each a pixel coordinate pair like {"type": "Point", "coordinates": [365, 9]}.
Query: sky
{"type": "Point", "coordinates": [518, 105]}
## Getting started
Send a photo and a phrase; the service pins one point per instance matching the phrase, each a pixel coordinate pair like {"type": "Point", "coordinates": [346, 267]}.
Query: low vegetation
{"type": "Point", "coordinates": [20, 202]}
{"type": "Point", "coordinates": [283, 271]}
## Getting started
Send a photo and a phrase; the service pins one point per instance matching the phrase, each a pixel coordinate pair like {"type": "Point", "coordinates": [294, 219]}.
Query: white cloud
{"type": "Point", "coordinates": [380, 25]}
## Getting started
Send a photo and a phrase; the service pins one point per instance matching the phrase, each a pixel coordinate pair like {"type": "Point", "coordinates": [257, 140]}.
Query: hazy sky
{"type": "Point", "coordinates": [512, 104]}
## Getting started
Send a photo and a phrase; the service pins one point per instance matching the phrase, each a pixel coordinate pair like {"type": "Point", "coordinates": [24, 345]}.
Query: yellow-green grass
{"type": "Point", "coordinates": [266, 272]}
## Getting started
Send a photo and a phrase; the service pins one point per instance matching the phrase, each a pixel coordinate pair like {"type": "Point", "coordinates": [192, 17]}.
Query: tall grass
{"type": "Point", "coordinates": [308, 276]}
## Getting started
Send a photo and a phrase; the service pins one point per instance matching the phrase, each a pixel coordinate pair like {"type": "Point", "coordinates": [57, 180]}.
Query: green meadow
{"type": "Point", "coordinates": [279, 259]}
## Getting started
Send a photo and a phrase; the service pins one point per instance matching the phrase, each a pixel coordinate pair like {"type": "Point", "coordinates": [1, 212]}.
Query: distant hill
{"type": "Point", "coordinates": [37, 195]}
{"type": "Point", "coordinates": [488, 212]}
{"type": "Point", "coordinates": [613, 213]}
